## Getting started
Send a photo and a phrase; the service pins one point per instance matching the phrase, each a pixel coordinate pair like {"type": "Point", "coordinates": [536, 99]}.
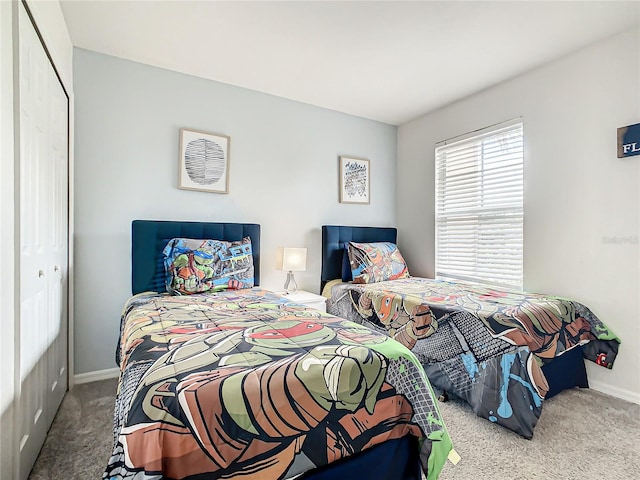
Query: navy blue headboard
{"type": "Point", "coordinates": [335, 236]}
{"type": "Point", "coordinates": [149, 237]}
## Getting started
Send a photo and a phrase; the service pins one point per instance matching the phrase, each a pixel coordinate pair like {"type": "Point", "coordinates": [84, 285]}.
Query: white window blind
{"type": "Point", "coordinates": [479, 206]}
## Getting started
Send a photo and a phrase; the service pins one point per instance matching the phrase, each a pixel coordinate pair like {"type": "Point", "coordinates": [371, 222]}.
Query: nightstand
{"type": "Point", "coordinates": [311, 300]}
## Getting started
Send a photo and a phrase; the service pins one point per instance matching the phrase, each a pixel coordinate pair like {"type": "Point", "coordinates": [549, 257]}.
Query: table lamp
{"type": "Point", "coordinates": [291, 260]}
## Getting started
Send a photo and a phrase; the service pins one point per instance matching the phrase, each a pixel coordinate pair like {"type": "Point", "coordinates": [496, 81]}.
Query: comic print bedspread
{"type": "Point", "coordinates": [484, 345]}
{"type": "Point", "coordinates": [243, 384]}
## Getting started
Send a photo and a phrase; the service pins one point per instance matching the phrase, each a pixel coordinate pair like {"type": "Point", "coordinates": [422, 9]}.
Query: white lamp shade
{"type": "Point", "coordinates": [291, 259]}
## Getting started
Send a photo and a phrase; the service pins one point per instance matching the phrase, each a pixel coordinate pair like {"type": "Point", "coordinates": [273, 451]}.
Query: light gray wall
{"type": "Point", "coordinates": [283, 175]}
{"type": "Point", "coordinates": [581, 203]}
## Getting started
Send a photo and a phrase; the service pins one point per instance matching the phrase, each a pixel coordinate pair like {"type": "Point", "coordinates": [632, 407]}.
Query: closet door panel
{"type": "Point", "coordinates": [58, 244]}
{"type": "Point", "coordinates": [43, 244]}
{"type": "Point", "coordinates": [33, 256]}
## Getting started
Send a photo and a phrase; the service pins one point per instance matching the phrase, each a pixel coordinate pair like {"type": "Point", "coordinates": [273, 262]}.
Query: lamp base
{"type": "Point", "coordinates": [290, 286]}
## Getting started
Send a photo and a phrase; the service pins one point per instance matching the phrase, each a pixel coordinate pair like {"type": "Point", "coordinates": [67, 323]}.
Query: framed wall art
{"type": "Point", "coordinates": [204, 161]}
{"type": "Point", "coordinates": [354, 180]}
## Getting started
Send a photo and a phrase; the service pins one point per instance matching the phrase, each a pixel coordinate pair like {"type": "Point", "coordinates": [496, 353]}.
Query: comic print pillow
{"type": "Point", "coordinates": [196, 266]}
{"type": "Point", "coordinates": [376, 262]}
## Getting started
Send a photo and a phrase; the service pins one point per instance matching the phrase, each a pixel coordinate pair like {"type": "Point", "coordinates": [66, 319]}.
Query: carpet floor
{"type": "Point", "coordinates": [582, 435]}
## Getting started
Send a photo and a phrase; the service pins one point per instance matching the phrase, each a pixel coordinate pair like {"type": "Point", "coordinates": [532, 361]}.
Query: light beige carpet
{"type": "Point", "coordinates": [582, 435]}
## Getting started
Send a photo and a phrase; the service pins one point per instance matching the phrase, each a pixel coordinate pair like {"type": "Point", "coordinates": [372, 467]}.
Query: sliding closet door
{"type": "Point", "coordinates": [58, 239]}
{"type": "Point", "coordinates": [33, 249]}
{"type": "Point", "coordinates": [43, 243]}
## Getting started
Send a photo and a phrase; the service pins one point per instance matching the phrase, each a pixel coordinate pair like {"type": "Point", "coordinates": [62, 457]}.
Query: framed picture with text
{"type": "Point", "coordinates": [354, 180]}
{"type": "Point", "coordinates": [204, 161]}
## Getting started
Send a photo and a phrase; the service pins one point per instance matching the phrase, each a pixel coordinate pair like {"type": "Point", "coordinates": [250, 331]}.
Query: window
{"type": "Point", "coordinates": [479, 206]}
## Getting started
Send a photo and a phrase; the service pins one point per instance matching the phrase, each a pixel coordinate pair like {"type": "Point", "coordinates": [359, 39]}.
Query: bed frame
{"type": "Point", "coordinates": [566, 371]}
{"type": "Point", "coordinates": [396, 459]}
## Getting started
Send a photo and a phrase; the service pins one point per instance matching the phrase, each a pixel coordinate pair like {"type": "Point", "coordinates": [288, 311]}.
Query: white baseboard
{"type": "Point", "coordinates": [95, 376]}
{"type": "Point", "coordinates": [627, 395]}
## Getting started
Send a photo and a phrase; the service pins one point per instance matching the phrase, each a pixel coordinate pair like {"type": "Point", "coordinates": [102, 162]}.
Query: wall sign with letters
{"type": "Point", "coordinates": [629, 141]}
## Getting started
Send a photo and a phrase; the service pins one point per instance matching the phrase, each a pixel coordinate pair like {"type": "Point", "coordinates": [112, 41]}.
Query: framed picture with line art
{"type": "Point", "coordinates": [354, 180]}
{"type": "Point", "coordinates": [204, 161]}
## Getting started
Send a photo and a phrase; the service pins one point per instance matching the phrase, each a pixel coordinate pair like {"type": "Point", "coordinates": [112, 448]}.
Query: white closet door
{"type": "Point", "coordinates": [43, 244]}
{"type": "Point", "coordinates": [58, 244]}
{"type": "Point", "coordinates": [34, 189]}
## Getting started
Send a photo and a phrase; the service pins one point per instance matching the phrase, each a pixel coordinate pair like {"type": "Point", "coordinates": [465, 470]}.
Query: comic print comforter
{"type": "Point", "coordinates": [484, 345]}
{"type": "Point", "coordinates": [243, 384]}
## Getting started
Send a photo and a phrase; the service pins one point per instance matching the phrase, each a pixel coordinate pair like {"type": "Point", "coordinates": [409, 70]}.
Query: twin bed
{"type": "Point", "coordinates": [502, 351]}
{"type": "Point", "coordinates": [245, 384]}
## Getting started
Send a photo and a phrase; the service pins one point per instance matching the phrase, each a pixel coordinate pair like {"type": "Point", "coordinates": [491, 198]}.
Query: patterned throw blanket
{"type": "Point", "coordinates": [242, 384]}
{"type": "Point", "coordinates": [483, 344]}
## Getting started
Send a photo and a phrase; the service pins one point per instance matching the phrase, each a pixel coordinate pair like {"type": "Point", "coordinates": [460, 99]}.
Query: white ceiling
{"type": "Point", "coordinates": [387, 60]}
